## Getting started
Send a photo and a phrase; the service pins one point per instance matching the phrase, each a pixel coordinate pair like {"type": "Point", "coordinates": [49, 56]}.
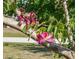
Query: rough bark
{"type": "Point", "coordinates": [70, 34]}
{"type": "Point", "coordinates": [69, 54]}
{"type": "Point", "coordinates": [67, 20]}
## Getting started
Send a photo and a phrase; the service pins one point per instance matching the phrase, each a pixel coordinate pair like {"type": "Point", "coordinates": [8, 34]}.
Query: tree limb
{"type": "Point", "coordinates": [69, 54]}
{"type": "Point", "coordinates": [65, 6]}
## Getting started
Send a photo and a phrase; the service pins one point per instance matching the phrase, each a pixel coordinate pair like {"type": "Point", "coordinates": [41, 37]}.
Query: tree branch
{"type": "Point", "coordinates": [69, 54]}
{"type": "Point", "coordinates": [67, 22]}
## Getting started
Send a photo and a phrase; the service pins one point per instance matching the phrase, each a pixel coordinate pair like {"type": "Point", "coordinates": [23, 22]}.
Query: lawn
{"type": "Point", "coordinates": [28, 51]}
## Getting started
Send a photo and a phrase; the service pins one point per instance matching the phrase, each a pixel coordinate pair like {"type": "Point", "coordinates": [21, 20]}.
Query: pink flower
{"type": "Point", "coordinates": [27, 21]}
{"type": "Point", "coordinates": [32, 14]}
{"type": "Point", "coordinates": [45, 37]}
{"type": "Point", "coordinates": [20, 18]}
{"type": "Point", "coordinates": [33, 21]}
{"type": "Point", "coordinates": [31, 18]}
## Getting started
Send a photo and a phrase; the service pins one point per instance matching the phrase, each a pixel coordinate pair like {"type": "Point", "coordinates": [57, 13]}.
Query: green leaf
{"type": "Point", "coordinates": [49, 27]}
{"type": "Point", "coordinates": [24, 29]}
{"type": "Point", "coordinates": [55, 31]}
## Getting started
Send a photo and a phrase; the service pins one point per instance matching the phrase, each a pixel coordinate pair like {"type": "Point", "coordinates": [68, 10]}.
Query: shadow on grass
{"type": "Point", "coordinates": [33, 48]}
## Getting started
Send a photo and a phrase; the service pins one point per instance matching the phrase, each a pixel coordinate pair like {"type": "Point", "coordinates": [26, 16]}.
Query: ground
{"type": "Point", "coordinates": [28, 51]}
{"type": "Point", "coordinates": [10, 32]}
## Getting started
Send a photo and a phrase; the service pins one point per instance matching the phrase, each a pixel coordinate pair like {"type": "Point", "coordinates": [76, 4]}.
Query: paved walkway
{"type": "Point", "coordinates": [18, 39]}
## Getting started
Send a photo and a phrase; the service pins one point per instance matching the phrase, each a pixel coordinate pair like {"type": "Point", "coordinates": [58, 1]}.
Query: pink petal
{"type": "Point", "coordinates": [50, 40]}
{"type": "Point", "coordinates": [41, 41]}
{"type": "Point", "coordinates": [27, 20]}
{"type": "Point", "coordinates": [39, 37]}
{"type": "Point", "coordinates": [20, 18]}
{"type": "Point", "coordinates": [44, 34]}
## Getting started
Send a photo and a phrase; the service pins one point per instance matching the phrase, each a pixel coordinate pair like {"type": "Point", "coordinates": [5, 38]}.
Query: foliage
{"type": "Point", "coordinates": [9, 7]}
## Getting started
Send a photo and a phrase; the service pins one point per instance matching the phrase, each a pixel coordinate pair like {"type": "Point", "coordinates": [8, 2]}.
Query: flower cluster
{"type": "Point", "coordinates": [29, 19]}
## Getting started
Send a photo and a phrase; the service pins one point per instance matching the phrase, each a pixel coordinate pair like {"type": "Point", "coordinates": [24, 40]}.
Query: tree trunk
{"type": "Point", "coordinates": [70, 36]}
{"type": "Point", "coordinates": [69, 54]}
